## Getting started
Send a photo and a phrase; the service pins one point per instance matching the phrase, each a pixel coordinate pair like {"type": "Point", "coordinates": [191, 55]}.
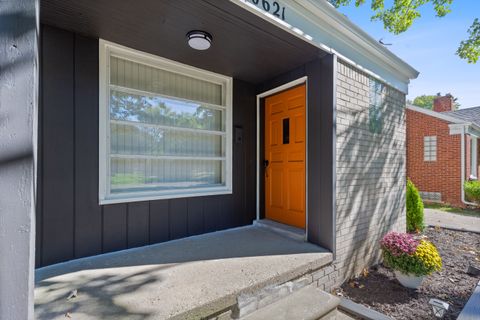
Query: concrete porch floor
{"type": "Point", "coordinates": [186, 278]}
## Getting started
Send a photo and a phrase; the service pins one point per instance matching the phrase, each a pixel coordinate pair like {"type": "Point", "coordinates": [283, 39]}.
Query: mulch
{"type": "Point", "coordinates": [380, 290]}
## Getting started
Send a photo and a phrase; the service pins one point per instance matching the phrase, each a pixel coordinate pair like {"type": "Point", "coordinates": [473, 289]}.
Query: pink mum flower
{"type": "Point", "coordinates": [399, 243]}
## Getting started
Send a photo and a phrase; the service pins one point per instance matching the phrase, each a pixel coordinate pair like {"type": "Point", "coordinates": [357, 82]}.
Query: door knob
{"type": "Point", "coordinates": [265, 163]}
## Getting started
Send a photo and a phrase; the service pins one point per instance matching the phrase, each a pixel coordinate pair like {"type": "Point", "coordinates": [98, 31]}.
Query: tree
{"type": "Point", "coordinates": [401, 15]}
{"type": "Point", "coordinates": [426, 101]}
{"type": "Point", "coordinates": [470, 49]}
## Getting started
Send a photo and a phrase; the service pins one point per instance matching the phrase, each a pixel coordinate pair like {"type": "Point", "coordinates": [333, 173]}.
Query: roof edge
{"type": "Point", "coordinates": [435, 114]}
{"type": "Point", "coordinates": [318, 22]}
{"type": "Point", "coordinates": [347, 28]}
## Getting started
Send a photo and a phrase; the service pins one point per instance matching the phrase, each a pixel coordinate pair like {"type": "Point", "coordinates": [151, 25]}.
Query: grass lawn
{"type": "Point", "coordinates": [447, 208]}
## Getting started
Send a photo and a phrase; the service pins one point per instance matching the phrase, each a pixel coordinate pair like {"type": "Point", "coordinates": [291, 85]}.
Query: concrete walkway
{"type": "Point", "coordinates": [187, 279]}
{"type": "Point", "coordinates": [450, 220]}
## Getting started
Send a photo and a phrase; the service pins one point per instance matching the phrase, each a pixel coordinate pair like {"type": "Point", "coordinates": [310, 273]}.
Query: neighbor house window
{"type": "Point", "coordinates": [376, 97]}
{"type": "Point", "coordinates": [430, 148]}
{"type": "Point", "coordinates": [165, 128]}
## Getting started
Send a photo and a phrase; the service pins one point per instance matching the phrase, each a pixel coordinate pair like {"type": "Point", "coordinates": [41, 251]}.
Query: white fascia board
{"type": "Point", "coordinates": [456, 128]}
{"type": "Point", "coordinates": [470, 129]}
{"type": "Point", "coordinates": [353, 34]}
{"type": "Point", "coordinates": [435, 114]}
{"type": "Point", "coordinates": [320, 24]}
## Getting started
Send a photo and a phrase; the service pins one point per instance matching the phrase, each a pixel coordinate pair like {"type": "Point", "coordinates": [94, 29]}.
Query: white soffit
{"type": "Point", "coordinates": [319, 23]}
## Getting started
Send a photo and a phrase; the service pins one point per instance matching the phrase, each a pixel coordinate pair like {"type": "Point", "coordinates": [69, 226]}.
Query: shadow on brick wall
{"type": "Point", "coordinates": [370, 181]}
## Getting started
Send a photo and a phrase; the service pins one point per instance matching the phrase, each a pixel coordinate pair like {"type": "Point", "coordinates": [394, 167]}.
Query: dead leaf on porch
{"type": "Point", "coordinates": [361, 286]}
{"type": "Point", "coordinates": [365, 272]}
{"type": "Point", "coordinates": [73, 294]}
{"type": "Point", "coordinates": [337, 291]}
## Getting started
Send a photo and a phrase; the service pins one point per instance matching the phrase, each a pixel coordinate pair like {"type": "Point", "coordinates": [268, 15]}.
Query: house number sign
{"type": "Point", "coordinates": [272, 7]}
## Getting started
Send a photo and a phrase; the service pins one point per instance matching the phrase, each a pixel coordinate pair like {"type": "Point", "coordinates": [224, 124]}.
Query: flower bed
{"type": "Point", "coordinates": [381, 291]}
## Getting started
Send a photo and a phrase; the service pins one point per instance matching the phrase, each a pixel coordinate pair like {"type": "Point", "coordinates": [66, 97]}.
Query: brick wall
{"type": "Point", "coordinates": [370, 175]}
{"type": "Point", "coordinates": [442, 175]}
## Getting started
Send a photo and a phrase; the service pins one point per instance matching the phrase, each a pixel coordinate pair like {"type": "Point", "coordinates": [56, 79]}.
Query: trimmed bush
{"type": "Point", "coordinates": [414, 209]}
{"type": "Point", "coordinates": [472, 190]}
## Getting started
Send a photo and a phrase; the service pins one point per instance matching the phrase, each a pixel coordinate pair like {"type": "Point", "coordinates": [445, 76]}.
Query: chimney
{"type": "Point", "coordinates": [443, 103]}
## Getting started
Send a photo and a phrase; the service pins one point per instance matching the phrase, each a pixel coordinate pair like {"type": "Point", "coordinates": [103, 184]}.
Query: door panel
{"type": "Point", "coordinates": [276, 191]}
{"type": "Point", "coordinates": [285, 152]}
{"type": "Point", "coordinates": [296, 184]}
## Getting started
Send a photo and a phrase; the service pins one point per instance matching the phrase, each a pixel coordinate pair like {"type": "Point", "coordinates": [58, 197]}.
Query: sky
{"type": "Point", "coordinates": [429, 46]}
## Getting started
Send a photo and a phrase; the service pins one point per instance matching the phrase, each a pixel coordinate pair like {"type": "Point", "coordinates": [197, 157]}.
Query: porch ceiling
{"type": "Point", "coordinates": [245, 46]}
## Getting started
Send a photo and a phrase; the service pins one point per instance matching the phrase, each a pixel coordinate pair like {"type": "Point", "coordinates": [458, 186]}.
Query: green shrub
{"type": "Point", "coordinates": [472, 190]}
{"type": "Point", "coordinates": [414, 209]}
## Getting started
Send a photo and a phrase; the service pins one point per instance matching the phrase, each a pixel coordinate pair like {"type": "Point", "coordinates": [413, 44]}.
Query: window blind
{"type": "Point", "coordinates": [166, 130]}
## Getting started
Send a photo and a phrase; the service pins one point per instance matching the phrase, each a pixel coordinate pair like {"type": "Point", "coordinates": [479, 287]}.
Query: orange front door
{"type": "Point", "coordinates": [285, 157]}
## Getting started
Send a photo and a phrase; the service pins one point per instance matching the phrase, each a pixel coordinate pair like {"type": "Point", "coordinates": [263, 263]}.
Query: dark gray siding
{"type": "Point", "coordinates": [322, 151]}
{"type": "Point", "coordinates": [70, 223]}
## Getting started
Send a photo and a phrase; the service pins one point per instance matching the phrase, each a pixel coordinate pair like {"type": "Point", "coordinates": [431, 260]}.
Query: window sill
{"type": "Point", "coordinates": [150, 197]}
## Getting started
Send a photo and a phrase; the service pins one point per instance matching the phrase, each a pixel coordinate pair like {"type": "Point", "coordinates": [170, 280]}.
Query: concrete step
{"type": "Point", "coordinates": [308, 303]}
{"type": "Point", "coordinates": [361, 311]}
{"type": "Point", "coordinates": [282, 229]}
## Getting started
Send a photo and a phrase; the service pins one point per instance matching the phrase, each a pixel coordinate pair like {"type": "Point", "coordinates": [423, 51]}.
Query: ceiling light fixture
{"type": "Point", "coordinates": [199, 40]}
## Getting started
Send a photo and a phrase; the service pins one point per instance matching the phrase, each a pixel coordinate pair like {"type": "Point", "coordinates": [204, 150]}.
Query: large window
{"type": "Point", "coordinates": [165, 128]}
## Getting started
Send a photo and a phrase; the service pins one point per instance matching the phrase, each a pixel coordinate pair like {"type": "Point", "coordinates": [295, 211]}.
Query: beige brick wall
{"type": "Point", "coordinates": [371, 173]}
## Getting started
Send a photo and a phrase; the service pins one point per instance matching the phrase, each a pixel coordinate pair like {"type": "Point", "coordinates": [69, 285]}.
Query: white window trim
{"type": "Point", "coordinates": [473, 152]}
{"type": "Point", "coordinates": [106, 49]}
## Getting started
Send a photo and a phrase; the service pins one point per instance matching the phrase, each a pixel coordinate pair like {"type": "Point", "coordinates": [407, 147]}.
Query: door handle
{"type": "Point", "coordinates": [265, 163]}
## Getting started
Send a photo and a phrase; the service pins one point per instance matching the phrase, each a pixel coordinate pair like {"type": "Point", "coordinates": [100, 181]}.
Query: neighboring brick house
{"type": "Point", "coordinates": [435, 152]}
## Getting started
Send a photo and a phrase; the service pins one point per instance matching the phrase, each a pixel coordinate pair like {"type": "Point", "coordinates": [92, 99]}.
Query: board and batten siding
{"type": "Point", "coordinates": [70, 222]}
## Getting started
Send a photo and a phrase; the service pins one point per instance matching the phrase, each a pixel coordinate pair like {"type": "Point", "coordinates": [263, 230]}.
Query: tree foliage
{"type": "Point", "coordinates": [156, 111]}
{"type": "Point", "coordinates": [470, 49]}
{"type": "Point", "coordinates": [400, 16]}
{"type": "Point", "coordinates": [426, 101]}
